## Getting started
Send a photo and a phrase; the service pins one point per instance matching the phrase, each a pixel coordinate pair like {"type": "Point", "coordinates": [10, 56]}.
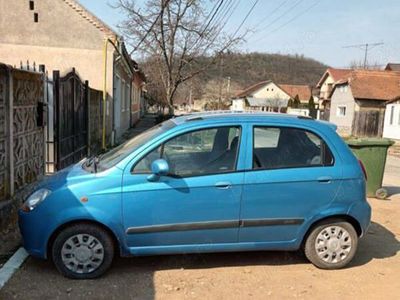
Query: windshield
{"type": "Point", "coordinates": [114, 156]}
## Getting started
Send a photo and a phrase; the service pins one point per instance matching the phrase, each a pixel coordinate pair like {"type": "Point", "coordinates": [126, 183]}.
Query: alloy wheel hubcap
{"type": "Point", "coordinates": [333, 244]}
{"type": "Point", "coordinates": [82, 253]}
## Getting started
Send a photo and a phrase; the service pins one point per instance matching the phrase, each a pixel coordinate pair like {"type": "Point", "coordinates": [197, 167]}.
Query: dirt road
{"type": "Point", "coordinates": [373, 274]}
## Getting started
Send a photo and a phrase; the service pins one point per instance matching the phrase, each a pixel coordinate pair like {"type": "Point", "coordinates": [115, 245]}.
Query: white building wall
{"type": "Point", "coordinates": [238, 105]}
{"type": "Point", "coordinates": [391, 128]}
{"type": "Point", "coordinates": [342, 98]}
{"type": "Point", "coordinates": [271, 91]}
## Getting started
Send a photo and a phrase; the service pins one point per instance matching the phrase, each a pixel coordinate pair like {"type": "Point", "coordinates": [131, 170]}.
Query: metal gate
{"type": "Point", "coordinates": [71, 119]}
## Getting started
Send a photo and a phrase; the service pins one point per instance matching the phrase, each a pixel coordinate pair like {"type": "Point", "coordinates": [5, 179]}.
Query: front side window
{"type": "Point", "coordinates": [283, 147]}
{"type": "Point", "coordinates": [202, 152]}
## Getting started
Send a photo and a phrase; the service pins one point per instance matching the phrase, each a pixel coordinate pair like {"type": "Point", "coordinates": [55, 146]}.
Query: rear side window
{"type": "Point", "coordinates": [282, 147]}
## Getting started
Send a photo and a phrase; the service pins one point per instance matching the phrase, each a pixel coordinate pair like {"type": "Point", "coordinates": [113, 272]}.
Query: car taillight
{"type": "Point", "coordinates": [363, 169]}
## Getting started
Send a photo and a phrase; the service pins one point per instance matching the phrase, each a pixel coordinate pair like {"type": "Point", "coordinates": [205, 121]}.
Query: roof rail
{"type": "Point", "coordinates": [305, 117]}
{"type": "Point", "coordinates": [194, 118]}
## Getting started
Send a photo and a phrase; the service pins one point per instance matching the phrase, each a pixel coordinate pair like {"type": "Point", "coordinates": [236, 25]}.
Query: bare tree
{"type": "Point", "coordinates": [358, 64]}
{"type": "Point", "coordinates": [173, 35]}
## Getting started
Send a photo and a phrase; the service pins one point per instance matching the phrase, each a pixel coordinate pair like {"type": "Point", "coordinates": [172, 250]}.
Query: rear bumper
{"type": "Point", "coordinates": [361, 211]}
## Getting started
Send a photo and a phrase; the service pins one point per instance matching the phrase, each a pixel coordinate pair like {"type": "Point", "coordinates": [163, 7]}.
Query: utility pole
{"type": "Point", "coordinates": [365, 47]}
{"type": "Point", "coordinates": [228, 88]}
{"type": "Point", "coordinates": [221, 60]}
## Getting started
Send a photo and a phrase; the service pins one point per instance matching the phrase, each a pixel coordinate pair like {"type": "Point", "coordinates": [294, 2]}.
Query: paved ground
{"type": "Point", "coordinates": [374, 273]}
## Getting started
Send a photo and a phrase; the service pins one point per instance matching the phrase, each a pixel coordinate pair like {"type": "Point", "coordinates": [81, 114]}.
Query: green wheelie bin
{"type": "Point", "coordinates": [372, 153]}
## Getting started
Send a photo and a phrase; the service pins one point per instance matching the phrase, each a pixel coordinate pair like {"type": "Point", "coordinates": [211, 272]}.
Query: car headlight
{"type": "Point", "coordinates": [35, 199]}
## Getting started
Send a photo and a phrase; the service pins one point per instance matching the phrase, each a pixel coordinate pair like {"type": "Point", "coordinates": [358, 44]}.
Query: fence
{"type": "Point", "coordinates": [368, 123]}
{"type": "Point", "coordinates": [22, 158]}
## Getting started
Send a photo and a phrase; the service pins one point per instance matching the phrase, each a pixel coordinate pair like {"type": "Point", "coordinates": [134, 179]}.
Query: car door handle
{"type": "Point", "coordinates": [223, 185]}
{"type": "Point", "coordinates": [324, 179]}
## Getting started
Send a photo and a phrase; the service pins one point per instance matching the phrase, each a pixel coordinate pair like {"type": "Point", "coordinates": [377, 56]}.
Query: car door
{"type": "Point", "coordinates": [198, 203]}
{"type": "Point", "coordinates": [292, 175]}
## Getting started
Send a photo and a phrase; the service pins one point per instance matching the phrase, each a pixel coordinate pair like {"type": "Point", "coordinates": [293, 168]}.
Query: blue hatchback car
{"type": "Point", "coordinates": [204, 183]}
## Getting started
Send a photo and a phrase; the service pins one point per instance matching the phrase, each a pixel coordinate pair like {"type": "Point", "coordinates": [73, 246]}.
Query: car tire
{"type": "Point", "coordinates": [83, 251]}
{"type": "Point", "coordinates": [331, 244]}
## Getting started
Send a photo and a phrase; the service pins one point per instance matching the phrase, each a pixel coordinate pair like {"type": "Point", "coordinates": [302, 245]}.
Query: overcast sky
{"type": "Point", "coordinates": [316, 28]}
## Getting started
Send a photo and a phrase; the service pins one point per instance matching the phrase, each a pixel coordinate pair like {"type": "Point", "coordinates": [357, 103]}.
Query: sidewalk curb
{"type": "Point", "coordinates": [12, 265]}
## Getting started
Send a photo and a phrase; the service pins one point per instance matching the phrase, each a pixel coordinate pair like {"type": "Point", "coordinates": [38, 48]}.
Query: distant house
{"type": "Point", "coordinates": [391, 128]}
{"type": "Point", "coordinates": [302, 92]}
{"type": "Point", "coordinates": [326, 85]}
{"type": "Point", "coordinates": [263, 96]}
{"type": "Point", "coordinates": [328, 81]}
{"type": "Point", "coordinates": [358, 102]}
{"type": "Point", "coordinates": [392, 67]}
{"type": "Point", "coordinates": [62, 34]}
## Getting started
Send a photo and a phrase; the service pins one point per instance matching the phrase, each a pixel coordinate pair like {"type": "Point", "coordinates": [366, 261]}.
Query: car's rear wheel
{"type": "Point", "coordinates": [83, 251]}
{"type": "Point", "coordinates": [331, 244]}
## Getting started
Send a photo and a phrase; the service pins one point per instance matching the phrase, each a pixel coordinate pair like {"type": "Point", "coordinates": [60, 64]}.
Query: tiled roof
{"type": "Point", "coordinates": [373, 84]}
{"type": "Point", "coordinates": [337, 74]}
{"type": "Point", "coordinates": [392, 67]}
{"type": "Point", "coordinates": [250, 90]}
{"type": "Point", "coordinates": [91, 18]}
{"type": "Point", "coordinates": [303, 91]}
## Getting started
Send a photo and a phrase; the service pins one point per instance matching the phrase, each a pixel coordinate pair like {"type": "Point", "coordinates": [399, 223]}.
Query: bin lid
{"type": "Point", "coordinates": [369, 142]}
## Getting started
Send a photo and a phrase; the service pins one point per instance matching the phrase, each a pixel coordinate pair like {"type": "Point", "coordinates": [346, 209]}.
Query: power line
{"type": "Point", "coordinates": [283, 14]}
{"type": "Point", "coordinates": [272, 12]}
{"type": "Point", "coordinates": [245, 18]}
{"type": "Point", "coordinates": [296, 16]}
{"type": "Point", "coordinates": [163, 6]}
{"type": "Point", "coordinates": [365, 47]}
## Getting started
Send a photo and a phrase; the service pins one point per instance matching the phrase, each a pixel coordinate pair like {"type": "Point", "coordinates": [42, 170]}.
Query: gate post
{"type": "Point", "coordinates": [87, 117]}
{"type": "Point", "coordinates": [57, 118]}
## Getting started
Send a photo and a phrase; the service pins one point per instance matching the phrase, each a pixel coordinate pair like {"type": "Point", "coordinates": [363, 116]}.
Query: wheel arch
{"type": "Point", "coordinates": [341, 217]}
{"type": "Point", "coordinates": [113, 235]}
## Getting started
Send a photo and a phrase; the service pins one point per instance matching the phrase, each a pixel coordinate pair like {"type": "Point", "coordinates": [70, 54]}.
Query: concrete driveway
{"type": "Point", "coordinates": [373, 274]}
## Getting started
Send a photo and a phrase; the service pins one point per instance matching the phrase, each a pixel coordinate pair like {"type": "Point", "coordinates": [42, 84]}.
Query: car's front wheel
{"type": "Point", "coordinates": [331, 244]}
{"type": "Point", "coordinates": [83, 251]}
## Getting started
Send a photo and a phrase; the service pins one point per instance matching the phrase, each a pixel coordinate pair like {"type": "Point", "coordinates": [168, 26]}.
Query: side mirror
{"type": "Point", "coordinates": [159, 168]}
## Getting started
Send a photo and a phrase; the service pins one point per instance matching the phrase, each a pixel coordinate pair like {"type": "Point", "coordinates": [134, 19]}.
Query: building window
{"type": "Point", "coordinates": [398, 121]}
{"type": "Point", "coordinates": [31, 5]}
{"type": "Point", "coordinates": [128, 96]}
{"type": "Point", "coordinates": [341, 111]}
{"type": "Point", "coordinates": [123, 98]}
{"type": "Point", "coordinates": [391, 115]}
{"type": "Point", "coordinates": [36, 17]}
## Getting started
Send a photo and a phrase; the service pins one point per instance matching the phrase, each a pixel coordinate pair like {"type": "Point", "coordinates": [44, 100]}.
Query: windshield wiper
{"type": "Point", "coordinates": [94, 160]}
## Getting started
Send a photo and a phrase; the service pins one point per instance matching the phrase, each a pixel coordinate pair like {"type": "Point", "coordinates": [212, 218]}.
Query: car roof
{"type": "Point", "coordinates": [246, 116]}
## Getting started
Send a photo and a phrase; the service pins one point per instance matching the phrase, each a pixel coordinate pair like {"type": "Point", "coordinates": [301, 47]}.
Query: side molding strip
{"type": "Point", "coordinates": [270, 222]}
{"type": "Point", "coordinates": [213, 225]}
{"type": "Point", "coordinates": [183, 227]}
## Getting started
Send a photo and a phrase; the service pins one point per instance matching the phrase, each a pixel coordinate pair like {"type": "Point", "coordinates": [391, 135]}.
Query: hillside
{"type": "Point", "coordinates": [243, 69]}
{"type": "Point", "coordinates": [247, 69]}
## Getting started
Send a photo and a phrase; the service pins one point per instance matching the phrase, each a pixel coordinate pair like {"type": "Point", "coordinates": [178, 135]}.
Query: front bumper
{"type": "Point", "coordinates": [35, 233]}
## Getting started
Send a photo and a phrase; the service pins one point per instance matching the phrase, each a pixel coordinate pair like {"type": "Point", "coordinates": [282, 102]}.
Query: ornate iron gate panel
{"type": "Point", "coordinates": [4, 182]}
{"type": "Point", "coordinates": [71, 118]}
{"type": "Point", "coordinates": [28, 146]}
